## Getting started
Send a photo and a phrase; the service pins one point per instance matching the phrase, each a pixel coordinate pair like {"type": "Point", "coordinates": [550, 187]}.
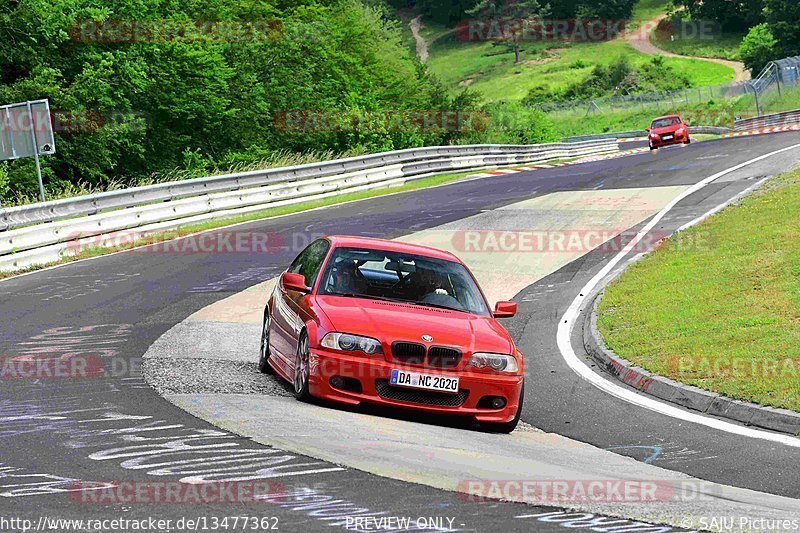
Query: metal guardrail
{"type": "Point", "coordinates": [695, 130]}
{"type": "Point", "coordinates": [90, 204]}
{"type": "Point", "coordinates": [786, 118]}
{"type": "Point", "coordinates": [44, 232]}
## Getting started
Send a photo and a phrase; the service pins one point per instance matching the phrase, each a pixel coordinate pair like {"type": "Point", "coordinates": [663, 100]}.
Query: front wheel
{"type": "Point", "coordinates": [508, 427]}
{"type": "Point", "coordinates": [263, 357]}
{"type": "Point", "coordinates": [302, 369]}
{"type": "Point", "coordinates": [688, 141]}
{"type": "Point", "coordinates": [651, 146]}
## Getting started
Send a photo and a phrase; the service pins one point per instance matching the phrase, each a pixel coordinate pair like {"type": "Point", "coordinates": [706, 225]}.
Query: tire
{"type": "Point", "coordinates": [263, 356]}
{"type": "Point", "coordinates": [302, 369]}
{"type": "Point", "coordinates": [508, 427]}
{"type": "Point", "coordinates": [688, 141]}
{"type": "Point", "coordinates": [651, 147]}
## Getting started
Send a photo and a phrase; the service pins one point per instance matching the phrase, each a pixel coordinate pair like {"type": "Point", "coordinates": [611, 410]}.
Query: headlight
{"type": "Point", "coordinates": [654, 136]}
{"type": "Point", "coordinates": [495, 361]}
{"type": "Point", "coordinates": [351, 343]}
{"type": "Point", "coordinates": [680, 131]}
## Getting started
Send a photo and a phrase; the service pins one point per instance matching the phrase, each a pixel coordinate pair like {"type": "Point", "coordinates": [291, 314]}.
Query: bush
{"type": "Point", "coordinates": [758, 48]}
{"type": "Point", "coordinates": [620, 78]}
{"type": "Point", "coordinates": [513, 123]}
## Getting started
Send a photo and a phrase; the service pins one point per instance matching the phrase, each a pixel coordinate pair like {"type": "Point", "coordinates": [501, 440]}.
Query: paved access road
{"type": "Point", "coordinates": [62, 436]}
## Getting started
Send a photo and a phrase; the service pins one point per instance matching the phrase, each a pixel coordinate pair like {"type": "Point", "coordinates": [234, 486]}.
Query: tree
{"type": "Point", "coordinates": [783, 18]}
{"type": "Point", "coordinates": [758, 48]}
{"type": "Point", "coordinates": [735, 16]}
{"type": "Point", "coordinates": [507, 22]}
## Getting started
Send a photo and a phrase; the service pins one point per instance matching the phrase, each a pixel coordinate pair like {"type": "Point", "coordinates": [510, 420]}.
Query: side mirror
{"type": "Point", "coordinates": [295, 282]}
{"type": "Point", "coordinates": [505, 309]}
{"type": "Point", "coordinates": [647, 130]}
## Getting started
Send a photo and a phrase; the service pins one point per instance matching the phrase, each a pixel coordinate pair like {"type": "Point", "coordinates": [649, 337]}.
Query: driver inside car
{"type": "Point", "coordinates": [347, 279]}
{"type": "Point", "coordinates": [426, 282]}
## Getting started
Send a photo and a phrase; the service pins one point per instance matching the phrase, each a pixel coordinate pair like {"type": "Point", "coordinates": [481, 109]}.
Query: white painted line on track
{"type": "Point", "coordinates": [569, 320]}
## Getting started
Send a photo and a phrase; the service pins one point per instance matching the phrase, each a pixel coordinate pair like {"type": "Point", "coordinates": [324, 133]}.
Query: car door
{"type": "Point", "coordinates": [290, 311]}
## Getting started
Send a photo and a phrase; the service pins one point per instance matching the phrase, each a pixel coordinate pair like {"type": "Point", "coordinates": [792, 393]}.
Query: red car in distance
{"type": "Point", "coordinates": [357, 320]}
{"type": "Point", "coordinates": [668, 130]}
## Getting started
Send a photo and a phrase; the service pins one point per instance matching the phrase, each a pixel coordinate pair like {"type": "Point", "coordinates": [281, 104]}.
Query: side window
{"type": "Point", "coordinates": [309, 262]}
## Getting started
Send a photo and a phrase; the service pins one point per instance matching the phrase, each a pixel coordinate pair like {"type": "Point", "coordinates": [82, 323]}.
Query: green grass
{"type": "Point", "coordinates": [491, 71]}
{"type": "Point", "coordinates": [647, 10]}
{"type": "Point", "coordinates": [723, 47]}
{"type": "Point", "coordinates": [718, 306]}
{"type": "Point", "coordinates": [788, 100]}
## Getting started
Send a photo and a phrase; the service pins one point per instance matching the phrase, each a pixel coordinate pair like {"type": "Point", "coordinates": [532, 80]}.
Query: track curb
{"type": "Point", "coordinates": [710, 403]}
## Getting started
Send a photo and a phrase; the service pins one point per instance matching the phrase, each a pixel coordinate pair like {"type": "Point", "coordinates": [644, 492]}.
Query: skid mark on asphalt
{"type": "Point", "coordinates": [234, 281]}
{"type": "Point", "coordinates": [77, 286]}
{"type": "Point", "coordinates": [665, 453]}
{"type": "Point", "coordinates": [140, 442]}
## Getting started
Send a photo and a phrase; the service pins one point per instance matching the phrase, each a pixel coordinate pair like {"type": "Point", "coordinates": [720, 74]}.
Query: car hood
{"type": "Point", "coordinates": [390, 321]}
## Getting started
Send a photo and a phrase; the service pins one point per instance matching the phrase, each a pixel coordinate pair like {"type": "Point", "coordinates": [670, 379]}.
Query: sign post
{"type": "Point", "coordinates": [35, 150]}
{"type": "Point", "coordinates": [27, 131]}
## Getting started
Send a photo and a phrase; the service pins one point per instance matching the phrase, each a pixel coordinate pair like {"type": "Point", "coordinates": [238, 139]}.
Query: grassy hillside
{"type": "Point", "coordinates": [721, 47]}
{"type": "Point", "coordinates": [491, 71]}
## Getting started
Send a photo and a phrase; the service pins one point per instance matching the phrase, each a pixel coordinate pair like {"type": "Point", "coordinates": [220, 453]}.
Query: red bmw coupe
{"type": "Point", "coordinates": [366, 320]}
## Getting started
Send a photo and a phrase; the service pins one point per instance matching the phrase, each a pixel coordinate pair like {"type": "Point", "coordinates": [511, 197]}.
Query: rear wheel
{"type": "Point", "coordinates": [302, 369]}
{"type": "Point", "coordinates": [508, 427]}
{"type": "Point", "coordinates": [263, 358]}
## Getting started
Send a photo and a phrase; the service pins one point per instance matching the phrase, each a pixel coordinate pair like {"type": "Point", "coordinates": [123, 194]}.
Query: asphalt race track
{"type": "Point", "coordinates": [63, 437]}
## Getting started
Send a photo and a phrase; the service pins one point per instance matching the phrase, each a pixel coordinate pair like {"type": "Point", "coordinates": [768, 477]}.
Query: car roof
{"type": "Point", "coordinates": [348, 241]}
{"type": "Point", "coordinates": [667, 116]}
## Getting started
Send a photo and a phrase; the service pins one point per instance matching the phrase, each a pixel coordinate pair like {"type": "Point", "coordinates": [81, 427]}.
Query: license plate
{"type": "Point", "coordinates": [416, 380]}
{"type": "Point", "coordinates": [668, 137]}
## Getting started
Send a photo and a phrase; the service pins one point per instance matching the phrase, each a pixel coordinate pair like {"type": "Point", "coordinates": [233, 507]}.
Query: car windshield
{"type": "Point", "coordinates": [665, 122]}
{"type": "Point", "coordinates": [415, 279]}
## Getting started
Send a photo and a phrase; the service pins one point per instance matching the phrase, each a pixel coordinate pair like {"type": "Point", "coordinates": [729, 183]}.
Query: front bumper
{"type": "Point", "coordinates": [660, 141]}
{"type": "Point", "coordinates": [373, 372]}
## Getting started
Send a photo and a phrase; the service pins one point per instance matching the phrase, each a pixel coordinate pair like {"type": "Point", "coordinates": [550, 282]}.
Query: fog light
{"type": "Point", "coordinates": [492, 402]}
{"type": "Point", "coordinates": [346, 384]}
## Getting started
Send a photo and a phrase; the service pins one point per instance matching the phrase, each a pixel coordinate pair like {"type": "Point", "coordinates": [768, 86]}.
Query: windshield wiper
{"type": "Point", "coordinates": [438, 306]}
